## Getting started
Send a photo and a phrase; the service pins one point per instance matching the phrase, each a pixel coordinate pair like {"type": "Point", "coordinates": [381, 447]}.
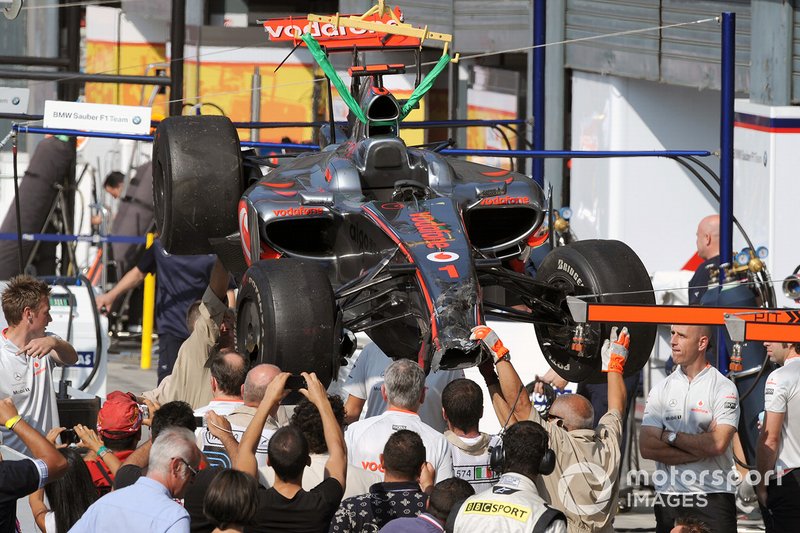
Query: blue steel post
{"type": "Point", "coordinates": [537, 86]}
{"type": "Point", "coordinates": [728, 66]}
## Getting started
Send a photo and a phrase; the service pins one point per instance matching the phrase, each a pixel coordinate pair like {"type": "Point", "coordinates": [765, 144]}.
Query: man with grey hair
{"type": "Point", "coordinates": [404, 391]}
{"type": "Point", "coordinates": [148, 505]}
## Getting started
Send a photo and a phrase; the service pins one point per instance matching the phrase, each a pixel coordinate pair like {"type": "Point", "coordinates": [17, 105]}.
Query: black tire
{"type": "Point", "coordinates": [286, 316]}
{"type": "Point", "coordinates": [612, 270]}
{"type": "Point", "coordinates": [197, 182]}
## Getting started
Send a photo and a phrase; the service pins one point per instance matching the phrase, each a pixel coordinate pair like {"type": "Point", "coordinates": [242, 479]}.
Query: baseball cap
{"type": "Point", "coordinates": [120, 417]}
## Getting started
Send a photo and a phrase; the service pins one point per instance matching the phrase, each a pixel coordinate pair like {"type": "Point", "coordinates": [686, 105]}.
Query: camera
{"type": "Point", "coordinates": [68, 436]}
{"type": "Point", "coordinates": [144, 410]}
{"type": "Point", "coordinates": [296, 383]}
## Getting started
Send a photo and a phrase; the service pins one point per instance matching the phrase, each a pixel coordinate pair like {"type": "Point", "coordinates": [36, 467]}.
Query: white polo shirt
{"type": "Point", "coordinates": [782, 395]}
{"type": "Point", "coordinates": [366, 438]}
{"type": "Point", "coordinates": [678, 405]}
{"type": "Point", "coordinates": [366, 378]}
{"type": "Point", "coordinates": [29, 382]}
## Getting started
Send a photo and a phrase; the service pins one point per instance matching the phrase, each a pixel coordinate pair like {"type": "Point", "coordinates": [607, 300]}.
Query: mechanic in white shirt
{"type": "Point", "coordinates": [778, 449]}
{"type": "Point", "coordinates": [689, 422]}
{"type": "Point", "coordinates": [363, 386]}
{"type": "Point", "coordinates": [27, 356]}
{"type": "Point", "coordinates": [462, 407]}
{"type": "Point", "coordinates": [404, 390]}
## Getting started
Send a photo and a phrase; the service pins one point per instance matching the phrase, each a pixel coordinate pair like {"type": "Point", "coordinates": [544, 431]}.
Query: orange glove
{"type": "Point", "coordinates": [489, 338]}
{"type": "Point", "coordinates": [615, 351]}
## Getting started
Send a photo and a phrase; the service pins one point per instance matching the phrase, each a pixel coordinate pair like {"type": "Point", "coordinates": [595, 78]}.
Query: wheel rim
{"type": "Point", "coordinates": [249, 330]}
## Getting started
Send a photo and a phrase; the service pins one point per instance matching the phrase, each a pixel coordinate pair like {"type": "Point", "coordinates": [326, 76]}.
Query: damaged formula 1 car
{"type": "Point", "coordinates": [368, 234]}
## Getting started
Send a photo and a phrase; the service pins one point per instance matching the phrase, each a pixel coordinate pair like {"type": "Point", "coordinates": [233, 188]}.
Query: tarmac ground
{"type": "Point", "coordinates": [636, 512]}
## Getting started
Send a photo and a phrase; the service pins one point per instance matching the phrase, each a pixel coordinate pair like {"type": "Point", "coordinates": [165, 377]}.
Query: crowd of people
{"type": "Point", "coordinates": [401, 452]}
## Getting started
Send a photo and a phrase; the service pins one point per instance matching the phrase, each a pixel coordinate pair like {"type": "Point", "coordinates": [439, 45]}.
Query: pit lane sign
{"type": "Point", "coordinates": [779, 325]}
{"type": "Point", "coordinates": [104, 118]}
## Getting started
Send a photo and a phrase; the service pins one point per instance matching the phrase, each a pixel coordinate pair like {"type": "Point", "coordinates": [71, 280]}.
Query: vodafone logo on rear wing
{"type": "Point", "coordinates": [333, 37]}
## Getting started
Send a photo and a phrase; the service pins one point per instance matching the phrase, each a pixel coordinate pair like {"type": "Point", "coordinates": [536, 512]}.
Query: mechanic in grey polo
{"type": "Point", "coordinates": [689, 421]}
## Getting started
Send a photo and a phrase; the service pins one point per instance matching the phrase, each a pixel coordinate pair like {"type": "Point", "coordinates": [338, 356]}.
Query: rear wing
{"type": "Point", "coordinates": [380, 27]}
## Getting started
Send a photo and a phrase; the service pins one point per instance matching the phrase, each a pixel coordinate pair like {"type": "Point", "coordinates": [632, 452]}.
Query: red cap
{"type": "Point", "coordinates": [120, 417]}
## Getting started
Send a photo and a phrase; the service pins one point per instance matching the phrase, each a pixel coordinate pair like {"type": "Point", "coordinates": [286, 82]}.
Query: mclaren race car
{"type": "Point", "coordinates": [368, 234]}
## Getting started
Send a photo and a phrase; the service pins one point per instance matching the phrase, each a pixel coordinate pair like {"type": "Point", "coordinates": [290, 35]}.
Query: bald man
{"type": "Point", "coordinates": [240, 416]}
{"type": "Point", "coordinates": [688, 424]}
{"type": "Point", "coordinates": [708, 251]}
{"type": "Point", "coordinates": [588, 456]}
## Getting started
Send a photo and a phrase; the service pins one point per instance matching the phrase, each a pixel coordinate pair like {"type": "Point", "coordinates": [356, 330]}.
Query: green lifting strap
{"type": "Point", "coordinates": [425, 86]}
{"type": "Point", "coordinates": [322, 60]}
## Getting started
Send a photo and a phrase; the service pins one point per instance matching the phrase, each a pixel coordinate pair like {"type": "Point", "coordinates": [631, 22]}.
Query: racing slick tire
{"type": "Point", "coordinates": [197, 182]}
{"type": "Point", "coordinates": [613, 272]}
{"type": "Point", "coordinates": [287, 316]}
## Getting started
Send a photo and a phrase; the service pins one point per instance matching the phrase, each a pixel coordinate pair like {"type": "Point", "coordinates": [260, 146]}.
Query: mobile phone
{"type": "Point", "coordinates": [295, 383]}
{"type": "Point", "coordinates": [68, 436]}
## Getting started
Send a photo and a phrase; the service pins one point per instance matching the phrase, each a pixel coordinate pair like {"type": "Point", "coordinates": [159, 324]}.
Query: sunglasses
{"type": "Point", "coordinates": [192, 471]}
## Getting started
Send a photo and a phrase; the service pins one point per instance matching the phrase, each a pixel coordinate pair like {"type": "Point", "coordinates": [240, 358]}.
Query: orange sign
{"type": "Point", "coordinates": [332, 37]}
{"type": "Point", "coordinates": [771, 332]}
{"type": "Point", "coordinates": [778, 325]}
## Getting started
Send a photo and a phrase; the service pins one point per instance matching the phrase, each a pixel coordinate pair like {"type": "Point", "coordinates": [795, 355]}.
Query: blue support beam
{"type": "Point", "coordinates": [537, 86]}
{"type": "Point", "coordinates": [728, 66]}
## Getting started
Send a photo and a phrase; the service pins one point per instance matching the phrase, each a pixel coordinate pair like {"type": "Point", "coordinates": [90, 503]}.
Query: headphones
{"type": "Point", "coordinates": [497, 455]}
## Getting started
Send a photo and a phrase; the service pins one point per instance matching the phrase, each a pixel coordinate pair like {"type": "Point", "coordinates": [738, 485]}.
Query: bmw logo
{"type": "Point", "coordinates": [137, 120]}
{"type": "Point", "coordinates": [15, 100]}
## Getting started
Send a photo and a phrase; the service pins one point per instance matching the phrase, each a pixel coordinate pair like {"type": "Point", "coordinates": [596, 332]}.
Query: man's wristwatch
{"type": "Point", "coordinates": [671, 438]}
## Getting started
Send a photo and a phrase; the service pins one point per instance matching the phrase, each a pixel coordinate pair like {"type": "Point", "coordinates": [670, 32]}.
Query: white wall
{"type": "Point", "coordinates": [652, 204]}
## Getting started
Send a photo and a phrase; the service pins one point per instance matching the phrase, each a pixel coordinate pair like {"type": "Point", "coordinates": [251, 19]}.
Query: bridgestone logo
{"type": "Point", "coordinates": [570, 271]}
{"type": "Point", "coordinates": [517, 512]}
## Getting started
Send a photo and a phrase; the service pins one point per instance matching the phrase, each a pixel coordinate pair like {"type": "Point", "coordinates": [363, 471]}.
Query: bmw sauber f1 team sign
{"type": "Point", "coordinates": [105, 118]}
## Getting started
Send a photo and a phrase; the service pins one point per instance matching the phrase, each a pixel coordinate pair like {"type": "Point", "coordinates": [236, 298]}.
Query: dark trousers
{"type": "Point", "coordinates": [717, 511]}
{"type": "Point", "coordinates": [168, 346]}
{"type": "Point", "coordinates": [783, 504]}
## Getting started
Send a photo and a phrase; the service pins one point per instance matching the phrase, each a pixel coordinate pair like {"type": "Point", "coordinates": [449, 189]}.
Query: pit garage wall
{"type": "Point", "coordinates": [652, 204]}
{"type": "Point", "coordinates": [766, 188]}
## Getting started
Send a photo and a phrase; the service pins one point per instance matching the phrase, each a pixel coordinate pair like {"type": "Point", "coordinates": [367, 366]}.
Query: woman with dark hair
{"type": "Point", "coordinates": [69, 496]}
{"type": "Point", "coordinates": [231, 501]}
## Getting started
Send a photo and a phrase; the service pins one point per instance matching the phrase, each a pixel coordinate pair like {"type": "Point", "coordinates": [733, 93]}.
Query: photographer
{"type": "Point", "coordinates": [119, 425]}
{"type": "Point", "coordinates": [286, 502]}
